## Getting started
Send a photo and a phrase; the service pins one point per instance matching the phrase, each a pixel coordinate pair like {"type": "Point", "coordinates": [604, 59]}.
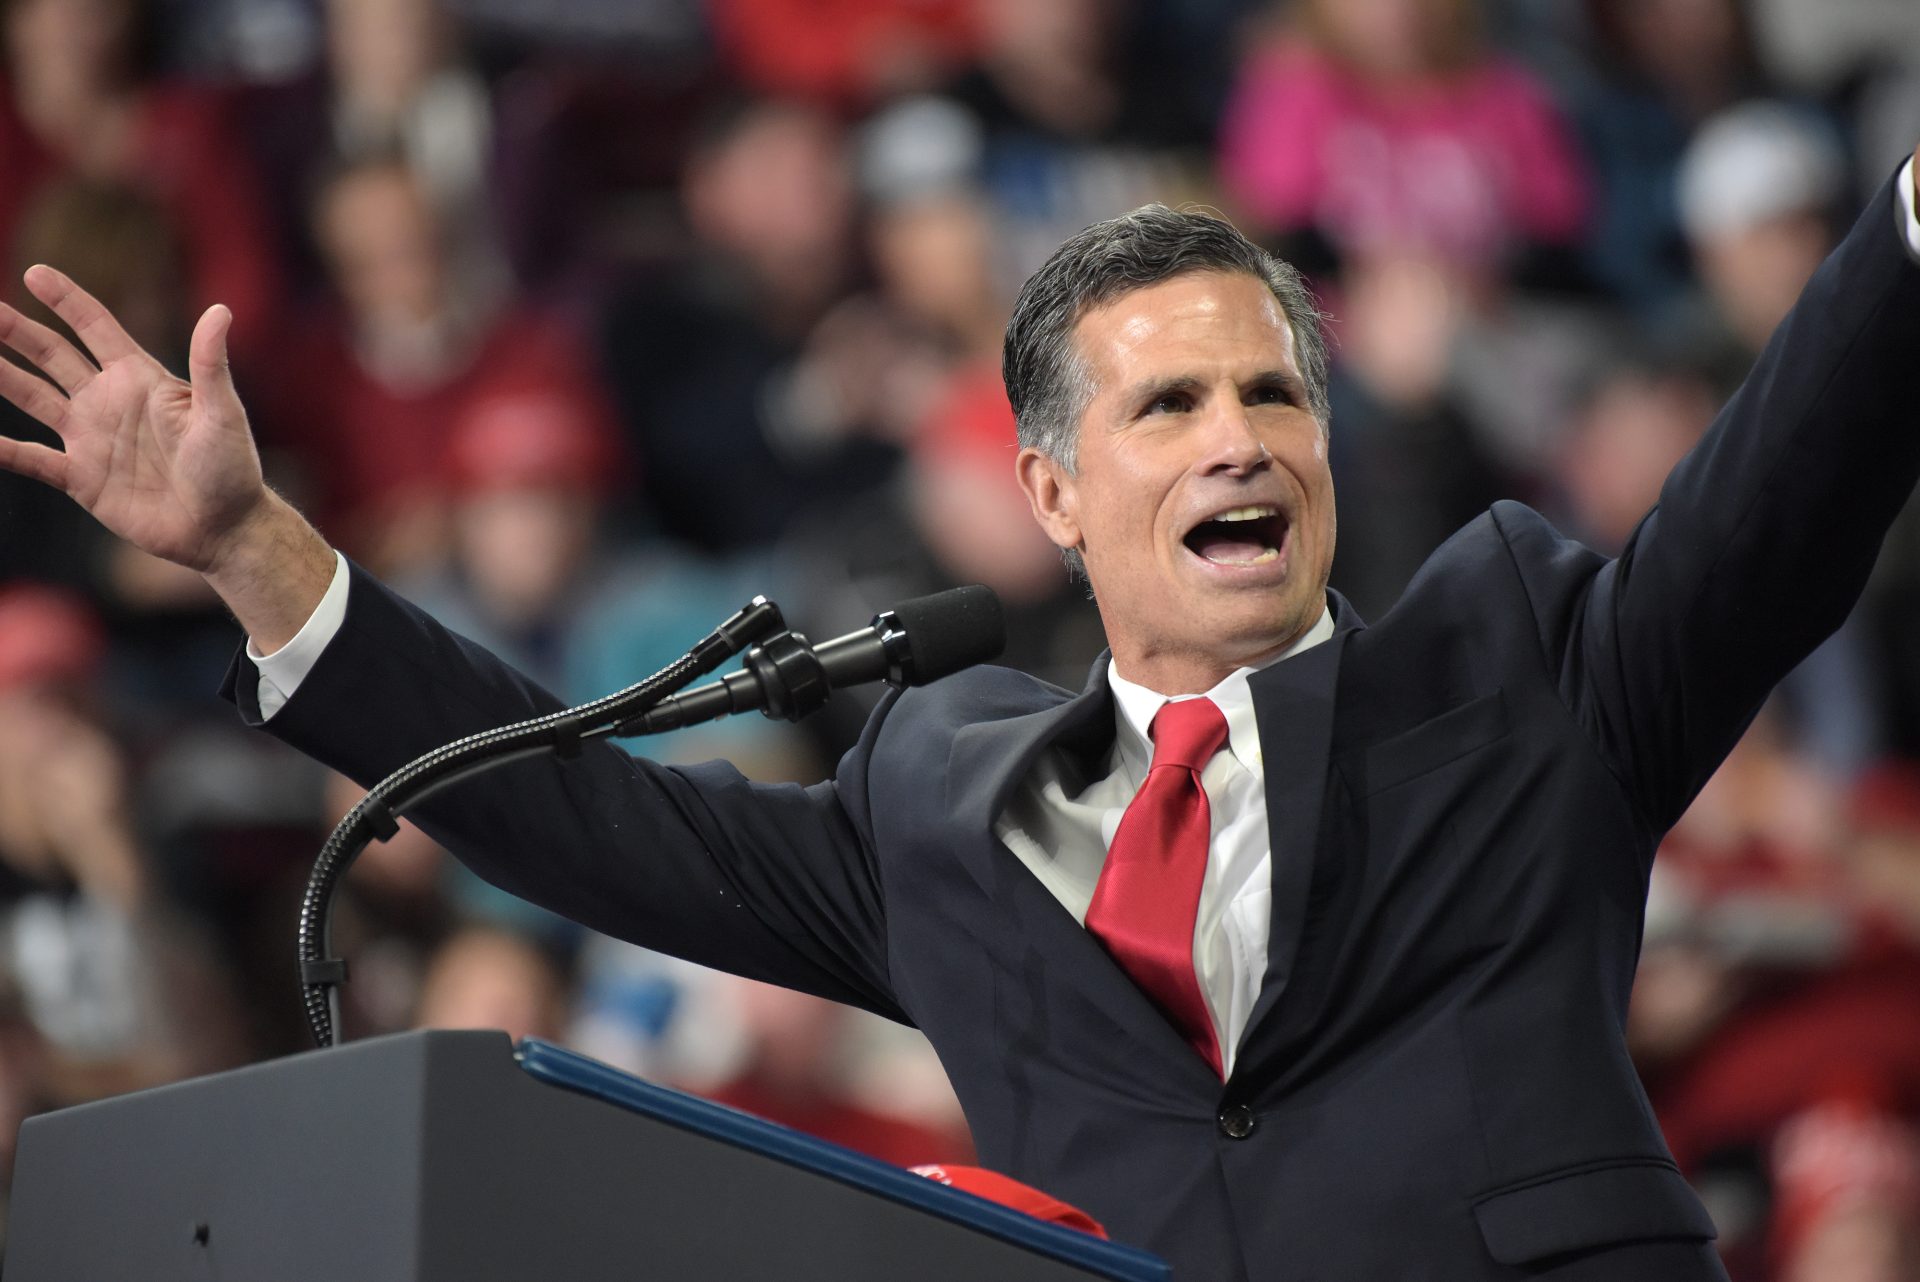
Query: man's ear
{"type": "Point", "coordinates": [1051, 494]}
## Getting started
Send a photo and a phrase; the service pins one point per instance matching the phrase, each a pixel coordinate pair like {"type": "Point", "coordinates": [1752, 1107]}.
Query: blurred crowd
{"type": "Point", "coordinates": [582, 323]}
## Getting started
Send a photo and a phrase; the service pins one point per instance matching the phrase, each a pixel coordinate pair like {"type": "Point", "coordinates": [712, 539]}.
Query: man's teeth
{"type": "Point", "coordinates": [1252, 512]}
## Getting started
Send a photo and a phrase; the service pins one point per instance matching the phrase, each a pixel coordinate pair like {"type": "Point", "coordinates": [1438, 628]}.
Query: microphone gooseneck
{"type": "Point", "coordinates": [918, 641]}
{"type": "Point", "coordinates": [375, 817]}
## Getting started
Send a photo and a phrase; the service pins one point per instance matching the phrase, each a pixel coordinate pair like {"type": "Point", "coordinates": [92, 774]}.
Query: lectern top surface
{"type": "Point", "coordinates": [573, 1071]}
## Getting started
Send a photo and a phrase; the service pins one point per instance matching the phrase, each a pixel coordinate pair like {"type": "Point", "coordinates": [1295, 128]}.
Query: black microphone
{"type": "Point", "coordinates": [785, 677]}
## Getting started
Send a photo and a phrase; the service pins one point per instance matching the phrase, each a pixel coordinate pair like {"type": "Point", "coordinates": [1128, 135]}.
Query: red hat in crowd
{"type": "Point", "coordinates": [531, 440]}
{"type": "Point", "coordinates": [1010, 1192]}
{"type": "Point", "coordinates": [46, 636]}
{"type": "Point", "coordinates": [971, 419]}
{"type": "Point", "coordinates": [1836, 1157]}
{"type": "Point", "coordinates": [1888, 797]}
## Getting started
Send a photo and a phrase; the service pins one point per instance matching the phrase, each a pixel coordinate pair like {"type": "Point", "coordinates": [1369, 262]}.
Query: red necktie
{"type": "Point", "coordinates": [1148, 896]}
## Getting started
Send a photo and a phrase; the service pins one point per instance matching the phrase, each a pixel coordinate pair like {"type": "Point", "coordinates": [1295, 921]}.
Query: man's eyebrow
{"type": "Point", "coordinates": [1148, 390]}
{"type": "Point", "coordinates": [1295, 385]}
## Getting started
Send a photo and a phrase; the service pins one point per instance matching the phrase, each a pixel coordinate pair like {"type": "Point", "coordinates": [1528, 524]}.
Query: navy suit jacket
{"type": "Point", "coordinates": [1464, 801]}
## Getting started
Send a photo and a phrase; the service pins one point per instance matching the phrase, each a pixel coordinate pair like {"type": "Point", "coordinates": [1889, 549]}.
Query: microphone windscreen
{"type": "Point", "coordinates": [952, 630]}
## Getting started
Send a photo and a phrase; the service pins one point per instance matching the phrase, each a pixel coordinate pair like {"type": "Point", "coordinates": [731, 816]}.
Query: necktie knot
{"type": "Point", "coordinates": [1187, 733]}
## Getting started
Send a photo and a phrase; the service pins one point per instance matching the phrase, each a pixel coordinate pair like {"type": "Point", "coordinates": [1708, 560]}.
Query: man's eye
{"type": "Point", "coordinates": [1270, 394]}
{"type": "Point", "coordinates": [1171, 403]}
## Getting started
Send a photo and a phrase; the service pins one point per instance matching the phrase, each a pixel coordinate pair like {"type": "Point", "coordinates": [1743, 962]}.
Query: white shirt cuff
{"type": "Point", "coordinates": [1903, 203]}
{"type": "Point", "coordinates": [282, 671]}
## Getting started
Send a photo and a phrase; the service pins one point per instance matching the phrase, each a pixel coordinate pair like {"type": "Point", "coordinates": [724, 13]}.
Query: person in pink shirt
{"type": "Point", "coordinates": [1384, 125]}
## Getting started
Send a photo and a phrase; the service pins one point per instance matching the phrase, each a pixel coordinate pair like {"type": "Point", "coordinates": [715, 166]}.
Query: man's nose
{"type": "Point", "coordinates": [1233, 445]}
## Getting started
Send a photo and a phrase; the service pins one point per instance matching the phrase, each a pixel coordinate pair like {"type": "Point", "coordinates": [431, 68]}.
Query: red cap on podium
{"type": "Point", "coordinates": [1010, 1192]}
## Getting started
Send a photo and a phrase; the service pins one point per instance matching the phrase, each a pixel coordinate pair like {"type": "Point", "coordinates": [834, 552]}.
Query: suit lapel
{"type": "Point", "coordinates": [1294, 705]}
{"type": "Point", "coordinates": [988, 761]}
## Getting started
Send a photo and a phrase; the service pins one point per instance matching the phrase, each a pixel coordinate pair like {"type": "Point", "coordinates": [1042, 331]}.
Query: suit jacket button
{"type": "Point", "coordinates": [1236, 1121]}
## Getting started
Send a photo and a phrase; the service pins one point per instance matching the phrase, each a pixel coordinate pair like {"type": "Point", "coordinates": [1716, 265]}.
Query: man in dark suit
{"type": "Point", "coordinates": [1291, 947]}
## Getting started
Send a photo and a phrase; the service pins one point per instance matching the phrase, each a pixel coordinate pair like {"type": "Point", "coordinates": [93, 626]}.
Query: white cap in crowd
{"type": "Point", "coordinates": [1754, 163]}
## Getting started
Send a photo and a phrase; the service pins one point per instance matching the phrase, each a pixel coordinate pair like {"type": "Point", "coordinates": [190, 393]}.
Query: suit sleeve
{"type": "Point", "coordinates": [775, 882]}
{"type": "Point", "coordinates": [1762, 538]}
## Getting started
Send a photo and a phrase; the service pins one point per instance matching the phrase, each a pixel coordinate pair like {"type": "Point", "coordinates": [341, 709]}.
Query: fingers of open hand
{"type": "Point", "coordinates": [32, 394]}
{"type": "Point", "coordinates": [83, 313]}
{"type": "Point", "coordinates": [60, 359]}
{"type": "Point", "coordinates": [36, 462]}
{"type": "Point", "coordinates": [207, 354]}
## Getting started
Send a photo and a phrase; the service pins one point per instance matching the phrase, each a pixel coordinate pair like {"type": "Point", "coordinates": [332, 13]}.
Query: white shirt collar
{"type": "Point", "coordinates": [1135, 706]}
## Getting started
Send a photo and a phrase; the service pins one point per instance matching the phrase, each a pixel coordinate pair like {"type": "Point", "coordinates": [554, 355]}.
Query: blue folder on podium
{"type": "Point", "coordinates": [458, 1157]}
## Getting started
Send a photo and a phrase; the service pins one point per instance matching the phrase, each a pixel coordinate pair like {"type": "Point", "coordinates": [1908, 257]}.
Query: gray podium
{"type": "Point", "coordinates": [457, 1157]}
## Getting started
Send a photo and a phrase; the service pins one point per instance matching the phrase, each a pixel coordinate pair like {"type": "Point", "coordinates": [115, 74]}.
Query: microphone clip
{"type": "Point", "coordinates": [791, 677]}
{"type": "Point", "coordinates": [896, 647]}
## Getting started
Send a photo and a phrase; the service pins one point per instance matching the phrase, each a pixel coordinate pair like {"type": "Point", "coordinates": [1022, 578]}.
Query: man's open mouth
{"type": "Point", "coordinates": [1239, 536]}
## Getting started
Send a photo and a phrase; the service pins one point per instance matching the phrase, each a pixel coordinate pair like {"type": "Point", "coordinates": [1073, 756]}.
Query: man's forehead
{"type": "Point", "coordinates": [1196, 315]}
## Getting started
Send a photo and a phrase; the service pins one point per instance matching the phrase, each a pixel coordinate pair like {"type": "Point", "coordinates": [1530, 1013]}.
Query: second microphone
{"type": "Point", "coordinates": [917, 641]}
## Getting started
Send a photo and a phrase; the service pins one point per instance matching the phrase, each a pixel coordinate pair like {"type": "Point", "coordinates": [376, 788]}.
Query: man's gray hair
{"type": "Point", "coordinates": [1048, 383]}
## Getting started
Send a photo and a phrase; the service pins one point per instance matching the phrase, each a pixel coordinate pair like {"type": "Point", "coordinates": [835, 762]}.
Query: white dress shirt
{"type": "Point", "coordinates": [282, 671]}
{"type": "Point", "coordinates": [1060, 826]}
{"type": "Point", "coordinates": [1909, 216]}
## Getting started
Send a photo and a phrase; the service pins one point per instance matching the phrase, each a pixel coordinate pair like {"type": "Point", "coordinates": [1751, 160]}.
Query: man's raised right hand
{"type": "Point", "coordinates": [169, 466]}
